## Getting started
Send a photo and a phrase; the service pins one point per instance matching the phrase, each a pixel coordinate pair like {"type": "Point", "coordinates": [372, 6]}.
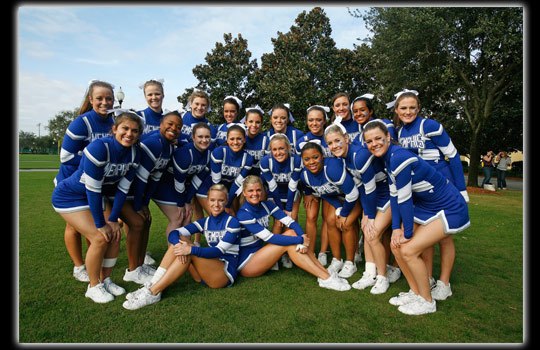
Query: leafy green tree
{"type": "Point", "coordinates": [27, 141]}
{"type": "Point", "coordinates": [305, 67]}
{"type": "Point", "coordinates": [225, 73]}
{"type": "Point", "coordinates": [463, 61]}
{"type": "Point", "coordinates": [58, 125]}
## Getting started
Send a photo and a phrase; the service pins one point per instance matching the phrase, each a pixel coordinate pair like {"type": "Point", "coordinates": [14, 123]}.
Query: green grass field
{"type": "Point", "coordinates": [39, 161]}
{"type": "Point", "coordinates": [285, 306]}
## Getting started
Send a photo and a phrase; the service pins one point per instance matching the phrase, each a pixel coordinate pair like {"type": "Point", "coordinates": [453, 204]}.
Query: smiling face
{"type": "Point", "coordinates": [126, 132]}
{"type": "Point", "coordinates": [217, 200]}
{"type": "Point", "coordinates": [253, 192]}
{"type": "Point", "coordinates": [101, 99]}
{"type": "Point", "coordinates": [337, 144]}
{"type": "Point", "coordinates": [279, 149]}
{"type": "Point", "coordinates": [229, 112]}
{"type": "Point", "coordinates": [253, 123]}
{"type": "Point", "coordinates": [170, 127]}
{"type": "Point", "coordinates": [201, 138]}
{"type": "Point", "coordinates": [377, 141]}
{"type": "Point", "coordinates": [236, 140]}
{"type": "Point", "coordinates": [341, 108]}
{"type": "Point", "coordinates": [312, 159]}
{"type": "Point", "coordinates": [361, 112]}
{"type": "Point", "coordinates": [279, 120]}
{"type": "Point", "coordinates": [153, 93]}
{"type": "Point", "coordinates": [315, 122]}
{"type": "Point", "coordinates": [199, 106]}
{"type": "Point", "coordinates": [407, 109]}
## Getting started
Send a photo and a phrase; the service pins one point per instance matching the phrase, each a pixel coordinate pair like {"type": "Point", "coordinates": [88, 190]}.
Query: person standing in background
{"type": "Point", "coordinates": [503, 164]}
{"type": "Point", "coordinates": [488, 162]}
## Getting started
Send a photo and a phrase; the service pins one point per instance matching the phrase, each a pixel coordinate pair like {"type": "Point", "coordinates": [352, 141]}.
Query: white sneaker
{"type": "Point", "coordinates": [419, 307]}
{"type": "Point", "coordinates": [98, 294]}
{"type": "Point", "coordinates": [347, 270]}
{"type": "Point", "coordinates": [286, 261]}
{"type": "Point", "coordinates": [367, 280]}
{"type": "Point", "coordinates": [335, 283]}
{"type": "Point", "coordinates": [357, 257]}
{"type": "Point", "coordinates": [112, 287]}
{"type": "Point", "coordinates": [432, 283]}
{"type": "Point", "coordinates": [381, 285]}
{"type": "Point", "coordinates": [139, 275]}
{"type": "Point", "coordinates": [142, 299]}
{"type": "Point", "coordinates": [149, 269]}
{"type": "Point", "coordinates": [80, 273]}
{"type": "Point", "coordinates": [392, 273]}
{"type": "Point", "coordinates": [134, 294]}
{"type": "Point", "coordinates": [335, 265]}
{"type": "Point", "coordinates": [275, 267]}
{"type": "Point", "coordinates": [322, 258]}
{"type": "Point", "coordinates": [148, 260]}
{"type": "Point", "coordinates": [441, 291]}
{"type": "Point", "coordinates": [403, 298]}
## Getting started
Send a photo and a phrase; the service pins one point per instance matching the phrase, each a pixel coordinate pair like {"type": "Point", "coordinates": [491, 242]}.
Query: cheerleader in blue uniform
{"type": "Point", "coordinates": [341, 107]}
{"type": "Point", "coordinates": [281, 120]}
{"type": "Point", "coordinates": [153, 93]}
{"type": "Point", "coordinates": [371, 180]}
{"type": "Point", "coordinates": [94, 122]}
{"type": "Point", "coordinates": [363, 112]}
{"type": "Point", "coordinates": [281, 171]}
{"type": "Point", "coordinates": [216, 264]}
{"type": "Point", "coordinates": [198, 106]}
{"type": "Point", "coordinates": [231, 109]}
{"type": "Point", "coordinates": [156, 151]}
{"type": "Point", "coordinates": [329, 179]}
{"type": "Point", "coordinates": [108, 167]}
{"type": "Point", "coordinates": [229, 165]}
{"type": "Point", "coordinates": [184, 174]}
{"type": "Point", "coordinates": [426, 208]}
{"type": "Point", "coordinates": [316, 119]}
{"type": "Point", "coordinates": [256, 257]}
{"type": "Point", "coordinates": [428, 139]}
{"type": "Point", "coordinates": [256, 142]}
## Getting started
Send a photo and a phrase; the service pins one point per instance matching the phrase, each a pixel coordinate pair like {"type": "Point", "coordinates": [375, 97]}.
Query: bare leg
{"type": "Point", "coordinates": [73, 242]}
{"type": "Point", "coordinates": [448, 256]}
{"type": "Point", "coordinates": [425, 236]}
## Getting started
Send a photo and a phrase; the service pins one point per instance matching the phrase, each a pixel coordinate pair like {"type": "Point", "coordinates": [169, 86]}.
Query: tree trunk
{"type": "Point", "coordinates": [473, 160]}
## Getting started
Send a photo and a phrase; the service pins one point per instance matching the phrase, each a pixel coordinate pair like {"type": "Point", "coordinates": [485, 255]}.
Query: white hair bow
{"type": "Point", "coordinates": [303, 143]}
{"type": "Point", "coordinates": [291, 118]}
{"type": "Point", "coordinates": [243, 126]}
{"type": "Point", "coordinates": [118, 111]}
{"type": "Point", "coordinates": [160, 80]}
{"type": "Point", "coordinates": [256, 108]}
{"type": "Point", "coordinates": [236, 99]}
{"type": "Point", "coordinates": [391, 104]}
{"type": "Point", "coordinates": [326, 110]}
{"type": "Point", "coordinates": [368, 96]}
{"type": "Point", "coordinates": [337, 122]}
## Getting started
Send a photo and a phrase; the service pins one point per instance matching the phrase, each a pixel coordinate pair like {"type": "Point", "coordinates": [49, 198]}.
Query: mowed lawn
{"type": "Point", "coordinates": [284, 306]}
{"type": "Point", "coordinates": [39, 161]}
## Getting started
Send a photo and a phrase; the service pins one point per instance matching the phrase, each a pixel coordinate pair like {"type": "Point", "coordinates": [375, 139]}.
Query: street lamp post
{"type": "Point", "coordinates": [120, 96]}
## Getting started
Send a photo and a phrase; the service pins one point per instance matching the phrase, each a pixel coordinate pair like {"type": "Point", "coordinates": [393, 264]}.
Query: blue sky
{"type": "Point", "coordinates": [60, 48]}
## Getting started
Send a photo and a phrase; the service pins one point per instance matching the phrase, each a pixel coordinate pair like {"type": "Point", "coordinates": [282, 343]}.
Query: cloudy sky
{"type": "Point", "coordinates": [60, 48]}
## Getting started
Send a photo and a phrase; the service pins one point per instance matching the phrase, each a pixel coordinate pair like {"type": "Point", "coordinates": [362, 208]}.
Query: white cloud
{"type": "Point", "coordinates": [41, 98]}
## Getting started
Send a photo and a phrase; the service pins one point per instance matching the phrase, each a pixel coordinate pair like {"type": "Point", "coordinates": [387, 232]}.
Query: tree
{"type": "Point", "coordinates": [27, 141]}
{"type": "Point", "coordinates": [225, 73]}
{"type": "Point", "coordinates": [58, 125]}
{"type": "Point", "coordinates": [464, 61]}
{"type": "Point", "coordinates": [305, 67]}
